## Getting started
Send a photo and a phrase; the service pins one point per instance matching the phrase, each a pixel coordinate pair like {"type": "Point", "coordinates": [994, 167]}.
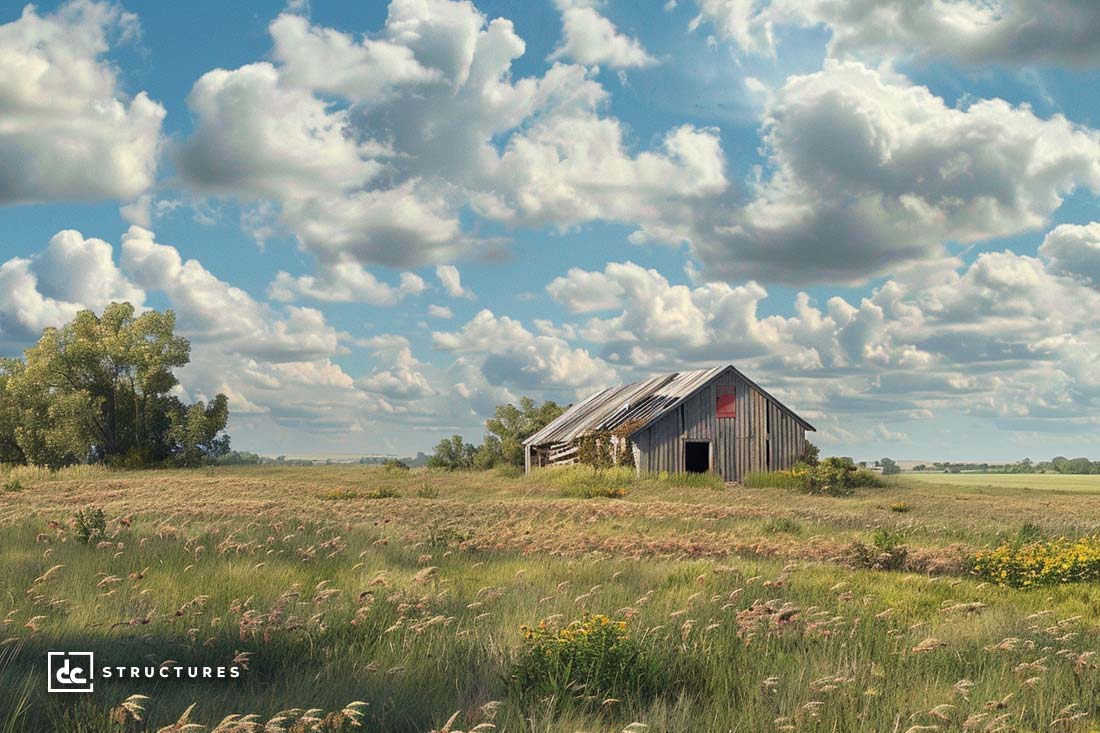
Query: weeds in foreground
{"type": "Point", "coordinates": [91, 525]}
{"type": "Point", "coordinates": [129, 716]}
{"type": "Point", "coordinates": [592, 659]}
{"type": "Point", "coordinates": [28, 475]}
{"type": "Point", "coordinates": [887, 551]}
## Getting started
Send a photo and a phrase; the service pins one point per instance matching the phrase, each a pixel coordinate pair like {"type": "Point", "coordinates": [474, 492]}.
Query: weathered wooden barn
{"type": "Point", "coordinates": [715, 420]}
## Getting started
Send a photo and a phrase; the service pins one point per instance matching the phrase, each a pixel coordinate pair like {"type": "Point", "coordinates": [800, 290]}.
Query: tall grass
{"type": "Point", "coordinates": [15, 711]}
{"type": "Point", "coordinates": [688, 480]}
{"type": "Point", "coordinates": [772, 480]}
{"type": "Point", "coordinates": [586, 481]}
{"type": "Point", "coordinates": [414, 606]}
{"type": "Point", "coordinates": [28, 475]}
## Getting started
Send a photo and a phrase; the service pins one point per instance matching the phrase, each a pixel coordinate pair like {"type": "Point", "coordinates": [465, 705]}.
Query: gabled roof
{"type": "Point", "coordinates": [641, 403]}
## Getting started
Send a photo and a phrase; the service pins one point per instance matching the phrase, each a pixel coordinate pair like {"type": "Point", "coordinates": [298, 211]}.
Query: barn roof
{"type": "Point", "coordinates": [640, 402]}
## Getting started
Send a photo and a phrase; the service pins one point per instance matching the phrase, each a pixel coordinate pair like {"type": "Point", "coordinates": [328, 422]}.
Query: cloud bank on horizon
{"type": "Point", "coordinates": [375, 227]}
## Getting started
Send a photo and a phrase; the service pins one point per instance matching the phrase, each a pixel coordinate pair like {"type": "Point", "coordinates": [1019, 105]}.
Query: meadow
{"type": "Point", "coordinates": [1039, 481]}
{"type": "Point", "coordinates": [372, 599]}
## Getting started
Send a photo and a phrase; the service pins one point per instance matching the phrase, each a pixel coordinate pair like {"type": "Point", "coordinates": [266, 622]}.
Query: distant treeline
{"type": "Point", "coordinates": [1058, 464]}
{"type": "Point", "coordinates": [247, 458]}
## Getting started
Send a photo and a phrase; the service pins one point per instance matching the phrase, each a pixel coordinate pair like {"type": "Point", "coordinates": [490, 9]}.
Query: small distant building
{"type": "Point", "coordinates": [715, 420]}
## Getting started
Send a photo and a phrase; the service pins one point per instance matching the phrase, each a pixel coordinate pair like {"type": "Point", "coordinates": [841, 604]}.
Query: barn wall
{"type": "Point", "coordinates": [762, 437]}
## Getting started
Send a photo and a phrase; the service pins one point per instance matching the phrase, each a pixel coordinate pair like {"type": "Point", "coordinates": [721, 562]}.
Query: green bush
{"type": "Point", "coordinates": [91, 525]}
{"type": "Point", "coordinates": [395, 464]}
{"type": "Point", "coordinates": [837, 476]}
{"type": "Point", "coordinates": [427, 491]}
{"type": "Point", "coordinates": [590, 659]}
{"type": "Point", "coordinates": [13, 485]}
{"type": "Point", "coordinates": [887, 551]}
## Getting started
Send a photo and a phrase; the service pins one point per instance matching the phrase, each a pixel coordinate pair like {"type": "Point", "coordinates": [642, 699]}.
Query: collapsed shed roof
{"type": "Point", "coordinates": [639, 403]}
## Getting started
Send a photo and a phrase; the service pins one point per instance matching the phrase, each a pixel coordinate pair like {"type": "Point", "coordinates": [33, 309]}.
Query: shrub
{"type": "Point", "coordinates": [1050, 562]}
{"type": "Point", "coordinates": [13, 485]}
{"type": "Point", "coordinates": [837, 476]}
{"type": "Point", "coordinates": [886, 552]}
{"type": "Point", "coordinates": [901, 507]}
{"type": "Point", "coordinates": [427, 491]}
{"type": "Point", "coordinates": [91, 525]}
{"type": "Point", "coordinates": [590, 659]}
{"type": "Point", "coordinates": [395, 464]}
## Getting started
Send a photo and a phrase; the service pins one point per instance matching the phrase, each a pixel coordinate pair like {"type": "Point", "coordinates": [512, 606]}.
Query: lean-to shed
{"type": "Point", "coordinates": [714, 419]}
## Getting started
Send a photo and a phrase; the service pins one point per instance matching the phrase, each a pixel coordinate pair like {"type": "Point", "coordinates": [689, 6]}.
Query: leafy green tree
{"type": "Point", "coordinates": [890, 467]}
{"type": "Point", "coordinates": [195, 432]}
{"type": "Point", "coordinates": [10, 452]}
{"type": "Point", "coordinates": [488, 454]}
{"type": "Point", "coordinates": [511, 425]}
{"type": "Point", "coordinates": [453, 454]}
{"type": "Point", "coordinates": [99, 389]}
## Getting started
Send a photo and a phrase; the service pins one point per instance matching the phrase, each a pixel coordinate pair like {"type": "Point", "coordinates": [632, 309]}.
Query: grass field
{"type": "Point", "coordinates": [407, 591]}
{"type": "Point", "coordinates": [1037, 481]}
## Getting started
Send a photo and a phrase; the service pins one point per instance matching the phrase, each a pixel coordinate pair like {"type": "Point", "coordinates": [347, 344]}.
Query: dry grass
{"type": "Point", "coordinates": [412, 601]}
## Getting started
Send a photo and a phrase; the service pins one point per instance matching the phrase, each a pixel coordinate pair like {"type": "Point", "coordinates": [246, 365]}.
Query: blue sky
{"type": "Point", "coordinates": [375, 221]}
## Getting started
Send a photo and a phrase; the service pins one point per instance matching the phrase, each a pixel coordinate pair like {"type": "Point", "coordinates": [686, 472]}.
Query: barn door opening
{"type": "Point", "coordinates": [696, 456]}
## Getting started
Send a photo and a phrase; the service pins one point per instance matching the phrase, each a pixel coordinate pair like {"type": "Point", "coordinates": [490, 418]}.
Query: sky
{"type": "Point", "coordinates": [376, 221]}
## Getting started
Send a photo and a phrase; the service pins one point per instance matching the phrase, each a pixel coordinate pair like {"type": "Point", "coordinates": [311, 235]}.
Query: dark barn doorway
{"type": "Point", "coordinates": [696, 456]}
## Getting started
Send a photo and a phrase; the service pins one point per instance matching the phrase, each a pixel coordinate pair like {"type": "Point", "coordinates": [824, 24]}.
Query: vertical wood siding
{"type": "Point", "coordinates": [762, 436]}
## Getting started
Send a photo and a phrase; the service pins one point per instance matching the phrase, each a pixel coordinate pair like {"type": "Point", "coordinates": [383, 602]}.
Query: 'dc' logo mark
{"type": "Point", "coordinates": [70, 671]}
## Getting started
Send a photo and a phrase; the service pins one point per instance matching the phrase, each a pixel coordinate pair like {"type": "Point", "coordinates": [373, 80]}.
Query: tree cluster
{"type": "Point", "coordinates": [101, 389]}
{"type": "Point", "coordinates": [503, 444]}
